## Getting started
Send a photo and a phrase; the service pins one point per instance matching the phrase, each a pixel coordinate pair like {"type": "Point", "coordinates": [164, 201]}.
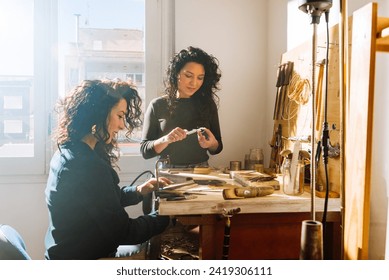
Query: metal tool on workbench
{"type": "Point", "coordinates": [247, 192]}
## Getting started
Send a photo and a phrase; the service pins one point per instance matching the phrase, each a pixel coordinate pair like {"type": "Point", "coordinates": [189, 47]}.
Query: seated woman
{"type": "Point", "coordinates": [87, 216]}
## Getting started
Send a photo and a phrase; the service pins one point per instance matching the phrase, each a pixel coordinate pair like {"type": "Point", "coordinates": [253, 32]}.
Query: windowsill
{"type": "Point", "coordinates": [22, 179]}
{"type": "Point", "coordinates": [130, 167]}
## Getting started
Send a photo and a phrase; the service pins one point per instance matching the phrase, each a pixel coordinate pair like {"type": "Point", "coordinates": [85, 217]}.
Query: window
{"type": "Point", "coordinates": [50, 46]}
{"type": "Point", "coordinates": [97, 41]}
{"type": "Point", "coordinates": [21, 122]}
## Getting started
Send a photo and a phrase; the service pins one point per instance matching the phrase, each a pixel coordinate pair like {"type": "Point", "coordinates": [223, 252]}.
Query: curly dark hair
{"type": "Point", "coordinates": [211, 80]}
{"type": "Point", "coordinates": [89, 104]}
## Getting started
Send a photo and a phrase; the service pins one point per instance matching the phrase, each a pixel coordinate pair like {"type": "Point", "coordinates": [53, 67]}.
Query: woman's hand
{"type": "Point", "coordinates": [208, 142]}
{"type": "Point", "coordinates": [175, 135]}
{"type": "Point", "coordinates": [151, 185]}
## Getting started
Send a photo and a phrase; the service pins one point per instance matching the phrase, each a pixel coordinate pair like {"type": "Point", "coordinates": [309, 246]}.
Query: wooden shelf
{"type": "Point", "coordinates": [382, 41]}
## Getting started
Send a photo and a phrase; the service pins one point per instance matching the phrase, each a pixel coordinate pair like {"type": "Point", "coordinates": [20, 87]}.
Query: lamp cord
{"type": "Point", "coordinates": [140, 175]}
{"type": "Point", "coordinates": [147, 199]}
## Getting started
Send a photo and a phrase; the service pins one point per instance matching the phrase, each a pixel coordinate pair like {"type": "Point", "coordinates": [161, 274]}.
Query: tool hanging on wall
{"type": "Point", "coordinates": [319, 96]}
{"type": "Point", "coordinates": [227, 230]}
{"type": "Point", "coordinates": [299, 89]}
{"type": "Point", "coordinates": [277, 146]}
{"type": "Point", "coordinates": [280, 74]}
{"type": "Point", "coordinates": [288, 69]}
{"type": "Point", "coordinates": [284, 74]}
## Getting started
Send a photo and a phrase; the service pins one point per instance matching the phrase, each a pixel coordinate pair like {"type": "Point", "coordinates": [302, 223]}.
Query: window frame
{"type": "Point", "coordinates": [43, 81]}
{"type": "Point", "coordinates": [159, 47]}
{"type": "Point", "coordinates": [159, 38]}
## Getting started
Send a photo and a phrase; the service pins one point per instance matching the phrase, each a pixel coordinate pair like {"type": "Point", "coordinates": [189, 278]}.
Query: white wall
{"type": "Point", "coordinates": [380, 165]}
{"type": "Point", "coordinates": [23, 207]}
{"type": "Point", "coordinates": [379, 230]}
{"type": "Point", "coordinates": [235, 32]}
{"type": "Point", "coordinates": [276, 46]}
{"type": "Point", "coordinates": [248, 37]}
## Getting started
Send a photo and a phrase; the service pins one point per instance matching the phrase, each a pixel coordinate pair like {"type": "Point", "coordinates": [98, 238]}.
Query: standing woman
{"type": "Point", "coordinates": [87, 217]}
{"type": "Point", "coordinates": [190, 102]}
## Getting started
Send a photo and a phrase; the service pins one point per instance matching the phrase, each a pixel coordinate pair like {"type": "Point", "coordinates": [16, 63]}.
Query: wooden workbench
{"type": "Point", "coordinates": [266, 228]}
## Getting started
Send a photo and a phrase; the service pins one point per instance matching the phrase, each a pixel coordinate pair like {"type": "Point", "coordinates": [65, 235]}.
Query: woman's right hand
{"type": "Point", "coordinates": [175, 135]}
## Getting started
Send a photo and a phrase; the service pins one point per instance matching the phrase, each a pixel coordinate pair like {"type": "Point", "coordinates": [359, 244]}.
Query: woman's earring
{"type": "Point", "coordinates": [93, 130]}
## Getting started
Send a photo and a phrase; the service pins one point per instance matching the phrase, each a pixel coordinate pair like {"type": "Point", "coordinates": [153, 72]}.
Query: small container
{"type": "Point", "coordinates": [255, 157]}
{"type": "Point", "coordinates": [235, 165]}
{"type": "Point", "coordinates": [246, 161]}
{"type": "Point", "coordinates": [298, 187]}
{"type": "Point", "coordinates": [259, 168]}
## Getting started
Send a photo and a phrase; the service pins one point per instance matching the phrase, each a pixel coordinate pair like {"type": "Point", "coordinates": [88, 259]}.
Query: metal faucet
{"type": "Point", "coordinates": [155, 198]}
{"type": "Point", "coordinates": [161, 160]}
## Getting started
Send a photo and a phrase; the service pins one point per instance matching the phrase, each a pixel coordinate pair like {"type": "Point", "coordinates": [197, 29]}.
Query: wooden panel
{"type": "Point", "coordinates": [358, 136]}
{"type": "Point", "coordinates": [296, 122]}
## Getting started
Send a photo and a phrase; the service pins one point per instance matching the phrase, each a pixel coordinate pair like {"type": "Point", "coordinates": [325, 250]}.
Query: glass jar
{"type": "Point", "coordinates": [247, 161]}
{"type": "Point", "coordinates": [255, 157]}
{"type": "Point", "coordinates": [288, 186]}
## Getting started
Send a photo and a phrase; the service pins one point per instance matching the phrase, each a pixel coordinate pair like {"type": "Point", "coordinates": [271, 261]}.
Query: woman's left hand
{"type": "Point", "coordinates": [208, 142]}
{"type": "Point", "coordinates": [151, 185]}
